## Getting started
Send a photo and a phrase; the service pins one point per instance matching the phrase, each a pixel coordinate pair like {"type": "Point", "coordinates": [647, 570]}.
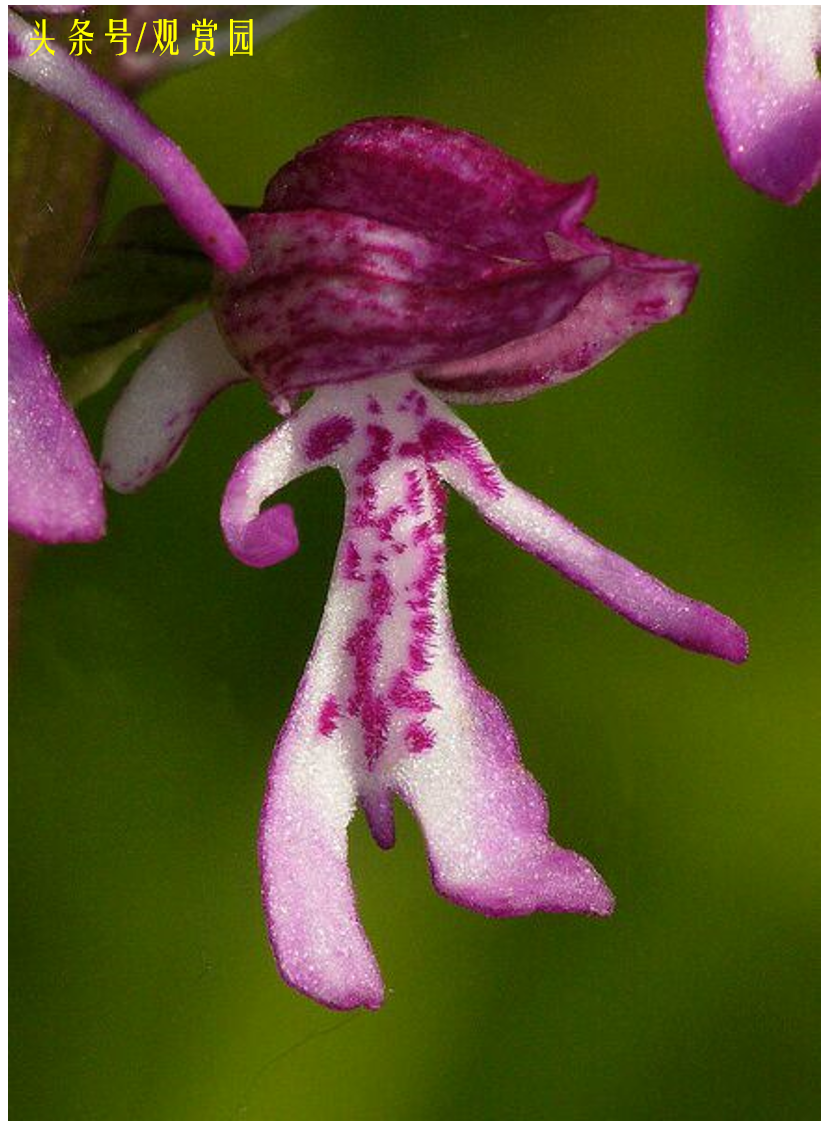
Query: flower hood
{"type": "Point", "coordinates": [401, 244]}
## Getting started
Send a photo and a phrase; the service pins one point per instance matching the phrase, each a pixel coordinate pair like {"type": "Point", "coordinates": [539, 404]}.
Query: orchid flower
{"type": "Point", "coordinates": [396, 265]}
{"type": "Point", "coordinates": [765, 93]}
{"type": "Point", "coordinates": [55, 492]}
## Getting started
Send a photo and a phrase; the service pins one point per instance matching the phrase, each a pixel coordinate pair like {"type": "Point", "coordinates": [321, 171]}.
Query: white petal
{"type": "Point", "coordinates": [148, 425]}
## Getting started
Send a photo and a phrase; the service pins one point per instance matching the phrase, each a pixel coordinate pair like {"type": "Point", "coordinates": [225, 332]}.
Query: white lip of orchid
{"type": "Point", "coordinates": [387, 707]}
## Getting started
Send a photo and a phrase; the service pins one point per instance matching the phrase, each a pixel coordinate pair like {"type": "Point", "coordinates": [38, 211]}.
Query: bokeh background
{"type": "Point", "coordinates": [154, 671]}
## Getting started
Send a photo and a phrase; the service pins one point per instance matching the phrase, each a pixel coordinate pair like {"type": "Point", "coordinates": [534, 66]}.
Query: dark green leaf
{"type": "Point", "coordinates": [147, 269]}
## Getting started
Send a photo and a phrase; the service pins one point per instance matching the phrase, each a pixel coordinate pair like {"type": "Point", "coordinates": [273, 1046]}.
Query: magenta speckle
{"type": "Point", "coordinates": [380, 595]}
{"type": "Point", "coordinates": [351, 569]}
{"type": "Point", "coordinates": [414, 492]}
{"type": "Point", "coordinates": [404, 694]}
{"type": "Point", "coordinates": [328, 716]}
{"type": "Point", "coordinates": [391, 642]}
{"type": "Point", "coordinates": [328, 436]}
{"type": "Point", "coordinates": [380, 441]}
{"type": "Point", "coordinates": [419, 737]}
{"type": "Point", "coordinates": [413, 402]}
{"type": "Point", "coordinates": [442, 440]}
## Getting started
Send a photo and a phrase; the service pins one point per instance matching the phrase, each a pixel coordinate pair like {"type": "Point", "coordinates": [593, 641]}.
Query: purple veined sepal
{"type": "Point", "coordinates": [448, 184]}
{"type": "Point", "coordinates": [453, 189]}
{"type": "Point", "coordinates": [765, 94]}
{"type": "Point", "coordinates": [55, 490]}
{"type": "Point", "coordinates": [122, 125]}
{"type": "Point", "coordinates": [330, 297]}
{"type": "Point", "coordinates": [387, 708]}
{"type": "Point", "coordinates": [639, 291]}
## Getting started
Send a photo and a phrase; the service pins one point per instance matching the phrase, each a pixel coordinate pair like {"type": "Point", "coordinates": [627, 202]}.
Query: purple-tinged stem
{"type": "Point", "coordinates": [130, 133]}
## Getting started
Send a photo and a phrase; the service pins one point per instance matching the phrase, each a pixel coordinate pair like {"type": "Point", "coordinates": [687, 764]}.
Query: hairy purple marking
{"type": "Point", "coordinates": [432, 553]}
{"type": "Point", "coordinates": [419, 737]}
{"type": "Point", "coordinates": [328, 716]}
{"type": "Point", "coordinates": [351, 561]}
{"type": "Point", "coordinates": [442, 440]}
{"type": "Point", "coordinates": [380, 440]}
{"type": "Point", "coordinates": [365, 647]}
{"type": "Point", "coordinates": [405, 694]}
{"type": "Point", "coordinates": [414, 491]}
{"type": "Point", "coordinates": [381, 533]}
{"type": "Point", "coordinates": [328, 436]}
{"type": "Point", "coordinates": [413, 402]}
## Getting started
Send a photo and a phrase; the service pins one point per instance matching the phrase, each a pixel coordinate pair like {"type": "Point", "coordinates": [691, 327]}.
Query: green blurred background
{"type": "Point", "coordinates": [154, 671]}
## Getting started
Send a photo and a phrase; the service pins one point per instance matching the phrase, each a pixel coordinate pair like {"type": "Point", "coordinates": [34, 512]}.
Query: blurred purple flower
{"type": "Point", "coordinates": [55, 490]}
{"type": "Point", "coordinates": [54, 486]}
{"type": "Point", "coordinates": [394, 265]}
{"type": "Point", "coordinates": [765, 93]}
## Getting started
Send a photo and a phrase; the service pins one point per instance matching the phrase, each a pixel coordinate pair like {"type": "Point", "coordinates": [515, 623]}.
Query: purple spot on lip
{"type": "Point", "coordinates": [328, 716]}
{"type": "Point", "coordinates": [380, 441]}
{"type": "Point", "coordinates": [414, 491]}
{"type": "Point", "coordinates": [404, 694]}
{"type": "Point", "coordinates": [442, 440]}
{"type": "Point", "coordinates": [381, 595]}
{"type": "Point", "coordinates": [351, 569]}
{"type": "Point", "coordinates": [328, 436]}
{"type": "Point", "coordinates": [419, 737]}
{"type": "Point", "coordinates": [414, 402]}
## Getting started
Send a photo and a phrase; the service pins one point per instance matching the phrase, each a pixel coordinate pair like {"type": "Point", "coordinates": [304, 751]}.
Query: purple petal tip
{"type": "Point", "coordinates": [704, 630]}
{"type": "Point", "coordinates": [734, 644]}
{"type": "Point", "coordinates": [765, 95]}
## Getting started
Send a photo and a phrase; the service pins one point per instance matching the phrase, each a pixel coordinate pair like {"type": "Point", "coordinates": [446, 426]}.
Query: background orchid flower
{"type": "Point", "coordinates": [55, 490]}
{"type": "Point", "coordinates": [396, 264]}
{"type": "Point", "coordinates": [55, 493]}
{"type": "Point", "coordinates": [764, 90]}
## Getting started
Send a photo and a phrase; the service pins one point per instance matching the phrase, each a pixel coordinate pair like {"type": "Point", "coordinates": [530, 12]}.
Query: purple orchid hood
{"type": "Point", "coordinates": [765, 94]}
{"type": "Point", "coordinates": [55, 490]}
{"type": "Point", "coordinates": [415, 247]}
{"type": "Point", "coordinates": [397, 263]}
